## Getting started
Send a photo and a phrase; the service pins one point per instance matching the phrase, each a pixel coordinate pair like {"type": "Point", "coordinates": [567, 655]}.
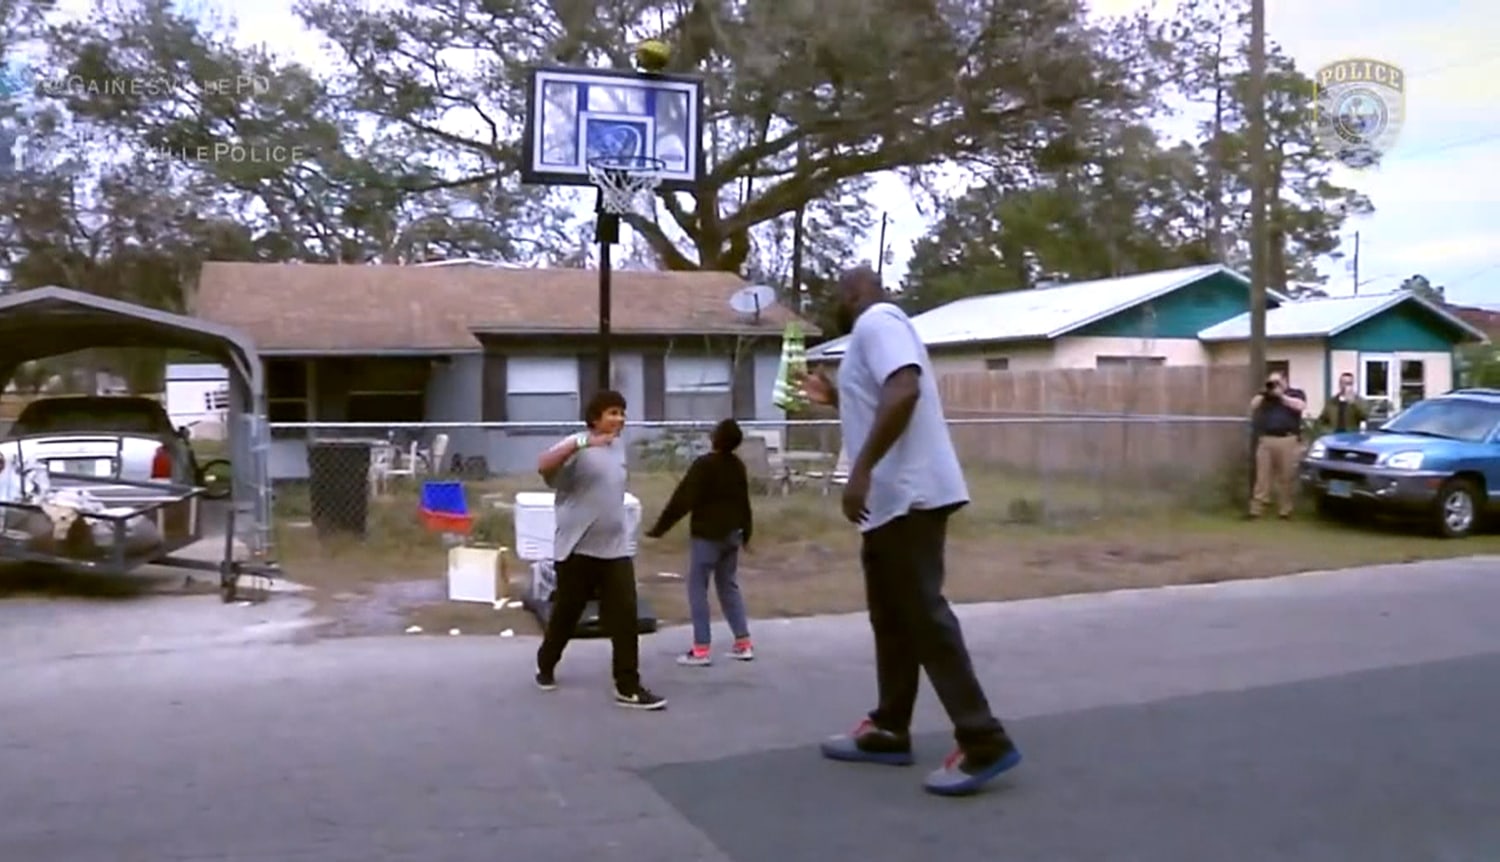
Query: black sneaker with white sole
{"type": "Point", "coordinates": [545, 681]}
{"type": "Point", "coordinates": [641, 698]}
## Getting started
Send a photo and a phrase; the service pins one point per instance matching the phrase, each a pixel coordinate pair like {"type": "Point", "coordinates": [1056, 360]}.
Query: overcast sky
{"type": "Point", "coordinates": [1435, 194]}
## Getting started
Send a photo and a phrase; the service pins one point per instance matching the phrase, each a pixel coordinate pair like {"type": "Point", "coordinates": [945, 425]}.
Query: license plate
{"type": "Point", "coordinates": [90, 467]}
{"type": "Point", "coordinates": [1340, 488]}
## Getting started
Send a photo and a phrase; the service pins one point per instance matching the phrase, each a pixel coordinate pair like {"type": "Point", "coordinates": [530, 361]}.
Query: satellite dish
{"type": "Point", "coordinates": [751, 301]}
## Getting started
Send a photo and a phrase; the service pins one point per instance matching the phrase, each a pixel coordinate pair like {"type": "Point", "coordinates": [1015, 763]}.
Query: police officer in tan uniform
{"type": "Point", "coordinates": [1276, 415]}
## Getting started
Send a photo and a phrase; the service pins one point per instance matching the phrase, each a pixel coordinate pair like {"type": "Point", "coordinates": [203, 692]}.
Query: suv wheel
{"type": "Point", "coordinates": [1457, 509]}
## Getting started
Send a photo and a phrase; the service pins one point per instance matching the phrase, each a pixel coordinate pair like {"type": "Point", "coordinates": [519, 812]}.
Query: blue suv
{"type": "Point", "coordinates": [1438, 459]}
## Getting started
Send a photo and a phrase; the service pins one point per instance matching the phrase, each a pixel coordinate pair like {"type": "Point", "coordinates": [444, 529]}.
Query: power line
{"type": "Point", "coordinates": [1440, 148]}
{"type": "Point", "coordinates": [1459, 64]}
{"type": "Point", "coordinates": [1473, 275]}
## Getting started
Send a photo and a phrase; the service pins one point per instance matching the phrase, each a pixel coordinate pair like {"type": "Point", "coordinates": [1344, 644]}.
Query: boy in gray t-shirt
{"type": "Point", "coordinates": [904, 482]}
{"type": "Point", "coordinates": [591, 548]}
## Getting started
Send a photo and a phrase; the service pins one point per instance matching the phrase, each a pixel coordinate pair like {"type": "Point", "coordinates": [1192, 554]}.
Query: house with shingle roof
{"type": "Point", "coordinates": [1476, 367]}
{"type": "Point", "coordinates": [1486, 320]}
{"type": "Point", "coordinates": [484, 344]}
{"type": "Point", "coordinates": [1399, 346]}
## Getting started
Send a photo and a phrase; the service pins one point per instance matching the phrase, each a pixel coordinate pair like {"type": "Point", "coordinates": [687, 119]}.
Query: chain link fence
{"type": "Point", "coordinates": [407, 485]}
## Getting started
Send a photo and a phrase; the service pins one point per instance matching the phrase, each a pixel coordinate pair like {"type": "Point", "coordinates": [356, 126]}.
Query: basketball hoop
{"type": "Point", "coordinates": [626, 182]}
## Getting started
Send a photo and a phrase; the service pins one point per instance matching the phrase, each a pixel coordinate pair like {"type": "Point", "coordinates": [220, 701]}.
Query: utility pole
{"type": "Point", "coordinates": [880, 258]}
{"type": "Point", "coordinates": [1356, 263]}
{"type": "Point", "coordinates": [1258, 226]}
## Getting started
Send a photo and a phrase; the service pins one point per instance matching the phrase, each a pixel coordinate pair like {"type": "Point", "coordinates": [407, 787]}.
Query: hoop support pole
{"type": "Point", "coordinates": [604, 302]}
{"type": "Point", "coordinates": [606, 233]}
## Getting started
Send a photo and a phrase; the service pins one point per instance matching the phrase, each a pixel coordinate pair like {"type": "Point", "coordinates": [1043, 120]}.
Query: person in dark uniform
{"type": "Point", "coordinates": [1344, 411]}
{"type": "Point", "coordinates": [1276, 415]}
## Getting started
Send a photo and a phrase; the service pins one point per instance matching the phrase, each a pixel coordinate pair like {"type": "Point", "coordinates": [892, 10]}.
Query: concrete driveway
{"type": "Point", "coordinates": [1321, 717]}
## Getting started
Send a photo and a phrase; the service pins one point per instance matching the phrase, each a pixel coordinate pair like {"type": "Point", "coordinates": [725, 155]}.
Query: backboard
{"type": "Point", "coordinates": [575, 114]}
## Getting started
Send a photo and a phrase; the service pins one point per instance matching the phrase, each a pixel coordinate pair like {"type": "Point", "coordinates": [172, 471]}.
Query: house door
{"type": "Point", "coordinates": [1391, 384]}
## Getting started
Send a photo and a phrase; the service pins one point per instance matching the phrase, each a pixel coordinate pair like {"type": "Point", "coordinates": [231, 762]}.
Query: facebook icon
{"type": "Point", "coordinates": [14, 81]}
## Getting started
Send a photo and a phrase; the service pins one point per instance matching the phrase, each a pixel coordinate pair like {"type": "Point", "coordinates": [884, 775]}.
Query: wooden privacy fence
{"type": "Point", "coordinates": [1146, 424]}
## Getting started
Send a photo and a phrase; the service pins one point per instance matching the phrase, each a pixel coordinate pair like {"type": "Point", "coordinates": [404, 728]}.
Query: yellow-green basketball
{"type": "Point", "coordinates": [653, 55]}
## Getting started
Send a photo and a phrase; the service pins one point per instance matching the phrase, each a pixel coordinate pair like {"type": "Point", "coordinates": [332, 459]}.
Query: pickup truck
{"type": "Point", "coordinates": [1438, 460]}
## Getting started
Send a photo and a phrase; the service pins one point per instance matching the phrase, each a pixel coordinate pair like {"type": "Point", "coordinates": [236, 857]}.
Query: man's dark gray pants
{"type": "Point", "coordinates": [915, 629]}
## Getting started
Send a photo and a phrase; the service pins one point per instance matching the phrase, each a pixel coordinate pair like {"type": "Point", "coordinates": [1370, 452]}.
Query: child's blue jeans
{"type": "Point", "coordinates": [719, 561]}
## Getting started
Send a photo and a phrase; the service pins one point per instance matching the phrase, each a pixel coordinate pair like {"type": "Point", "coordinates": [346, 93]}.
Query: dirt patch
{"type": "Point", "coordinates": [804, 559]}
{"type": "Point", "coordinates": [472, 619]}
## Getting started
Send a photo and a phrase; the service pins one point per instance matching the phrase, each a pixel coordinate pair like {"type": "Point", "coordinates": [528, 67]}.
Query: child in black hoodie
{"type": "Point", "coordinates": [716, 494]}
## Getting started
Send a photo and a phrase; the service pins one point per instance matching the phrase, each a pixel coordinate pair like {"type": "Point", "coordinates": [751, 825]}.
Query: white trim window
{"type": "Point", "coordinates": [542, 389]}
{"type": "Point", "coordinates": [698, 388]}
{"type": "Point", "coordinates": [1392, 383]}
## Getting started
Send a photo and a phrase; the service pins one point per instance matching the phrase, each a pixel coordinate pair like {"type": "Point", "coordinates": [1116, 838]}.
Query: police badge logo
{"type": "Point", "coordinates": [1358, 107]}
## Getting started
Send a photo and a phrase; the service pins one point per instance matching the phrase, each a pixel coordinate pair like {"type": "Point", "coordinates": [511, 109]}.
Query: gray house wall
{"type": "Point", "coordinates": [455, 394]}
{"type": "Point", "coordinates": [511, 451]}
{"type": "Point", "coordinates": [516, 452]}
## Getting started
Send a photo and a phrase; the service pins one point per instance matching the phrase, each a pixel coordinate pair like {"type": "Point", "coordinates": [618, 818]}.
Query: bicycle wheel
{"type": "Point", "coordinates": [217, 479]}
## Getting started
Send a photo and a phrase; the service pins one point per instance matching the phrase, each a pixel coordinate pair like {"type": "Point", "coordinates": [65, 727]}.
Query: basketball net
{"type": "Point", "coordinates": [626, 184]}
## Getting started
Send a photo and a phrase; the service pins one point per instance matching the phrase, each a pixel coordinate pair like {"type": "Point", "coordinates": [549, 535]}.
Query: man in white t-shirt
{"type": "Point", "coordinates": [904, 483]}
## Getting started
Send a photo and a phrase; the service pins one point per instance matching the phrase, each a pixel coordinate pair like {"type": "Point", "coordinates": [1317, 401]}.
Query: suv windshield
{"type": "Point", "coordinates": [1452, 418]}
{"type": "Point", "coordinates": [92, 416]}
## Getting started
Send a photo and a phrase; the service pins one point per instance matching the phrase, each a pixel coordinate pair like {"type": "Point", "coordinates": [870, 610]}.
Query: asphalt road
{"type": "Point", "coordinates": [1326, 717]}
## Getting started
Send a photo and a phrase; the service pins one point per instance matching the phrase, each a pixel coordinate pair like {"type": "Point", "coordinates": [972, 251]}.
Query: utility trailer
{"type": "Point", "coordinates": [113, 526]}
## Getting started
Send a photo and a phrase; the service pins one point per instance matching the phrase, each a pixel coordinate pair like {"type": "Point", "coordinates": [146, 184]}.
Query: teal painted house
{"type": "Point", "coordinates": [1399, 347]}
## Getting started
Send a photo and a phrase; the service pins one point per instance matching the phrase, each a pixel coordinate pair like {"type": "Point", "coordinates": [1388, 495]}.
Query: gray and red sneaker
{"type": "Point", "coordinates": [695, 657]}
{"type": "Point", "coordinates": [962, 774]}
{"type": "Point", "coordinates": [742, 651]}
{"type": "Point", "coordinates": [867, 743]}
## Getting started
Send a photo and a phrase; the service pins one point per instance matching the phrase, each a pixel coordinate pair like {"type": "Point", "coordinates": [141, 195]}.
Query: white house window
{"type": "Point", "coordinates": [1377, 380]}
{"type": "Point", "coordinates": [542, 389]}
{"type": "Point", "coordinates": [1391, 384]}
{"type": "Point", "coordinates": [698, 388]}
{"type": "Point", "coordinates": [997, 363]}
{"type": "Point", "coordinates": [1103, 362]}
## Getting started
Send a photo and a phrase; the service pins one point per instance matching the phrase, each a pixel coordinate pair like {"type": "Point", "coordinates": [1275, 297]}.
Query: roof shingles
{"type": "Point", "coordinates": [351, 307]}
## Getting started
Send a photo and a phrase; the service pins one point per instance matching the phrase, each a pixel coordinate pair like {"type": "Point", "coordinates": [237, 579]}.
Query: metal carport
{"type": "Point", "coordinates": [51, 321]}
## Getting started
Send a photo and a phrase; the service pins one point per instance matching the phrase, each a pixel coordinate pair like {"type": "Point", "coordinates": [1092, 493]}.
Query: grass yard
{"type": "Point", "coordinates": [1011, 543]}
